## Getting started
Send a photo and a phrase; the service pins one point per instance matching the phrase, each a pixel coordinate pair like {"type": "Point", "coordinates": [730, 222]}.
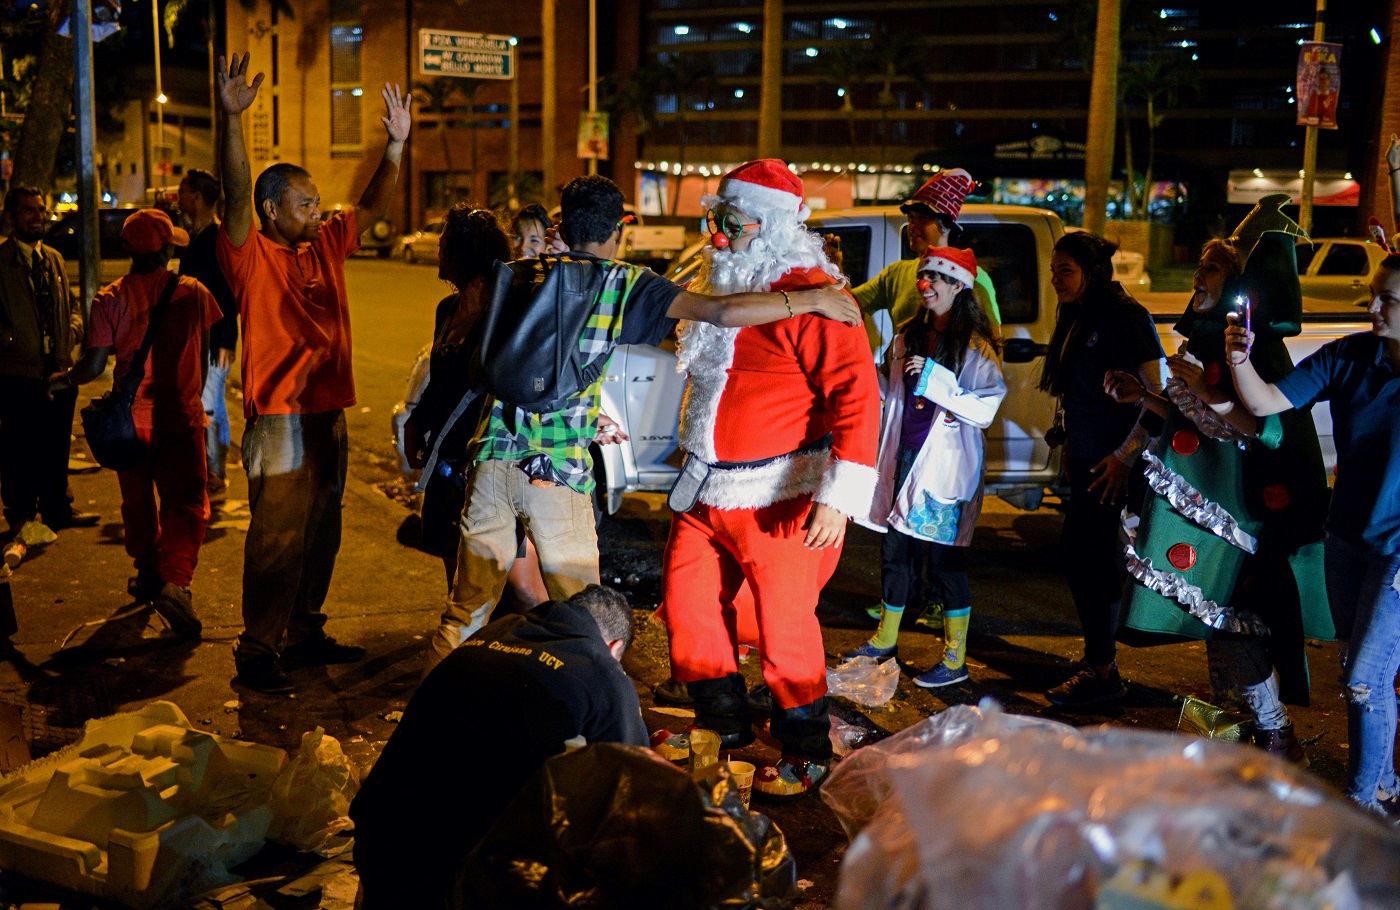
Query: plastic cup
{"type": "Point", "coordinates": [742, 773]}
{"type": "Point", "coordinates": [704, 749]}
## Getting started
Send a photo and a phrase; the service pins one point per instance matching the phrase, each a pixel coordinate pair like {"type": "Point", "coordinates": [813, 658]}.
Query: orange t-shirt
{"type": "Point", "coordinates": [169, 394]}
{"type": "Point", "coordinates": [294, 318]}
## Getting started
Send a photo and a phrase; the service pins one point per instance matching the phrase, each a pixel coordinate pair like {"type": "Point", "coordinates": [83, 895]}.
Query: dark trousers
{"type": "Point", "coordinates": [1093, 561]}
{"type": "Point", "coordinates": [34, 441]}
{"type": "Point", "coordinates": [943, 569]}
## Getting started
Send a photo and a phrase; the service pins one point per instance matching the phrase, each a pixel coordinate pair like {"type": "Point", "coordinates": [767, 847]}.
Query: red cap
{"type": "Point", "coordinates": [149, 230]}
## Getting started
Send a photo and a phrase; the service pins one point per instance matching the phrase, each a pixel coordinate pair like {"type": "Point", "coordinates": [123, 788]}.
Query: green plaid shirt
{"type": "Point", "coordinates": [566, 434]}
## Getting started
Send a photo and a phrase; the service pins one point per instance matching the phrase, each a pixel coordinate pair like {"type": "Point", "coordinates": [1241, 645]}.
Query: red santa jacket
{"type": "Point", "coordinates": [767, 391]}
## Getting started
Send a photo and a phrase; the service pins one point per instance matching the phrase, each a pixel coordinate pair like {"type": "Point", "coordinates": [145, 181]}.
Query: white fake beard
{"type": "Point", "coordinates": [732, 272]}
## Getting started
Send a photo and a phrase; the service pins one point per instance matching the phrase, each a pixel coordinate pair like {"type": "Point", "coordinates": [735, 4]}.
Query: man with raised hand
{"type": "Point", "coordinates": [289, 280]}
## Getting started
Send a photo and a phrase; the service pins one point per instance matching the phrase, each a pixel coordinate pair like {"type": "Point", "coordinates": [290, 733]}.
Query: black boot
{"type": "Point", "coordinates": [722, 705]}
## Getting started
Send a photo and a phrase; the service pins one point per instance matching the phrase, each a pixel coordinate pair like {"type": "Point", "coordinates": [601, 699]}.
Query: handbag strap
{"type": "Point", "coordinates": [137, 372]}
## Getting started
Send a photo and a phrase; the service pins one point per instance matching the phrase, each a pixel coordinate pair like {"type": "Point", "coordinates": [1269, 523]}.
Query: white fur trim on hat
{"type": "Point", "coordinates": [758, 200]}
{"type": "Point", "coordinates": [946, 266]}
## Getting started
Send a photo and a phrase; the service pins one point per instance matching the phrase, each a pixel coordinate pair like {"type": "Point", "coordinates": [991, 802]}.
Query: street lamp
{"type": "Point", "coordinates": [160, 95]}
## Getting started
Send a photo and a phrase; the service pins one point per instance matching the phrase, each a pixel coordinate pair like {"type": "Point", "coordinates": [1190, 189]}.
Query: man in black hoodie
{"type": "Point", "coordinates": [520, 690]}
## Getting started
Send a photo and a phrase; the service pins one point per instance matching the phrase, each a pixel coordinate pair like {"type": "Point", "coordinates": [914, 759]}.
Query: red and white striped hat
{"type": "Point", "coordinates": [950, 261]}
{"type": "Point", "coordinates": [944, 193]}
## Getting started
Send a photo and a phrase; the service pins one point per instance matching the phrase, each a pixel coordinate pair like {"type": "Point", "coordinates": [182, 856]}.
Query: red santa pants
{"type": "Point", "coordinates": [164, 540]}
{"type": "Point", "coordinates": [710, 554]}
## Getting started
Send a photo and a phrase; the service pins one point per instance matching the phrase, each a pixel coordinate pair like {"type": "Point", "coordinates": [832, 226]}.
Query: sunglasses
{"type": "Point", "coordinates": [726, 223]}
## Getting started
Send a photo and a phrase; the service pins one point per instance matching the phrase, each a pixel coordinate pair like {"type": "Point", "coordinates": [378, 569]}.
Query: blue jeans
{"type": "Point", "coordinates": [296, 479]}
{"type": "Point", "coordinates": [217, 435]}
{"type": "Point", "coordinates": [1366, 610]}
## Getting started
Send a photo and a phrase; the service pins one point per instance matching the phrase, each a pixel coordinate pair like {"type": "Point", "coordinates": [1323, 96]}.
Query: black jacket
{"type": "Point", "coordinates": [477, 729]}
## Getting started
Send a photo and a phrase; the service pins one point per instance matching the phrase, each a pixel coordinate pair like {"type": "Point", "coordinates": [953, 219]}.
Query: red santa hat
{"type": "Point", "coordinates": [944, 193]}
{"type": "Point", "coordinates": [951, 261]}
{"type": "Point", "coordinates": [764, 187]}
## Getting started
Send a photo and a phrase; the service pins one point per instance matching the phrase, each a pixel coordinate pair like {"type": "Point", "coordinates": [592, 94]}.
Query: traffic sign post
{"type": "Point", "coordinates": [468, 54]}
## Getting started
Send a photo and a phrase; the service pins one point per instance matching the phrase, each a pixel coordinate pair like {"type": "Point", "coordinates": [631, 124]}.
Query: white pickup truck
{"type": "Point", "coordinates": [642, 390]}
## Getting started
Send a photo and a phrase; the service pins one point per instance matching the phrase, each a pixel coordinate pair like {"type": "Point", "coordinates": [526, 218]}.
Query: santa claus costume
{"type": "Point", "coordinates": [785, 417]}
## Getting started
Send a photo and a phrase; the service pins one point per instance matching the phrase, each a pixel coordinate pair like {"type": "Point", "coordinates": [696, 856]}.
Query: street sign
{"type": "Point", "coordinates": [468, 54]}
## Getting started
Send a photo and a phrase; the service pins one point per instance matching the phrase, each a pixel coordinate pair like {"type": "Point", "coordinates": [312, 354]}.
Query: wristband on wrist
{"type": "Point", "coordinates": [787, 302]}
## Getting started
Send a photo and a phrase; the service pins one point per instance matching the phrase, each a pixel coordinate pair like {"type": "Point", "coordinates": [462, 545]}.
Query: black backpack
{"type": "Point", "coordinates": [529, 351]}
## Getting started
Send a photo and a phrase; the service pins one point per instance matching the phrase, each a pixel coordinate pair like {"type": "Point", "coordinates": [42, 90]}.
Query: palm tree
{"type": "Point", "coordinates": [435, 99]}
{"type": "Point", "coordinates": [1161, 78]}
{"type": "Point", "coordinates": [689, 77]}
{"type": "Point", "coordinates": [1103, 101]}
{"type": "Point", "coordinates": [892, 57]}
{"type": "Point", "coordinates": [847, 67]}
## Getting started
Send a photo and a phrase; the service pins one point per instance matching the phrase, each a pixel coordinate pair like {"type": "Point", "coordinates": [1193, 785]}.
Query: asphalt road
{"type": "Point", "coordinates": [83, 656]}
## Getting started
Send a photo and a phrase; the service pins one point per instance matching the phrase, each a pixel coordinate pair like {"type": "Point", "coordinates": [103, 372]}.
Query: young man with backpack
{"type": "Point", "coordinates": [534, 465]}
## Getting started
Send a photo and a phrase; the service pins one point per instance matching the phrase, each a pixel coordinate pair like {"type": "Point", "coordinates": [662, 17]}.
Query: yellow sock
{"type": "Point", "coordinates": [887, 636]}
{"type": "Point", "coordinates": [955, 637]}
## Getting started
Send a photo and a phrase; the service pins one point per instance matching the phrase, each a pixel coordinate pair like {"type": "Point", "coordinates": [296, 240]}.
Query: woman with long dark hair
{"type": "Point", "coordinates": [1099, 329]}
{"type": "Point", "coordinates": [943, 384]}
{"type": "Point", "coordinates": [471, 242]}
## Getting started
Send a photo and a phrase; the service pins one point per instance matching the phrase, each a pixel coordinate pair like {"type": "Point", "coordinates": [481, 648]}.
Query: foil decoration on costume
{"type": "Point", "coordinates": [1189, 501]}
{"type": "Point", "coordinates": [1191, 598]}
{"type": "Point", "coordinates": [1202, 415]}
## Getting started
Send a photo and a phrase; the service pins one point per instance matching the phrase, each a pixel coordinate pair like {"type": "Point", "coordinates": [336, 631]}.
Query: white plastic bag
{"type": "Point", "coordinates": [311, 797]}
{"type": "Point", "coordinates": [864, 680]}
{"type": "Point", "coordinates": [976, 808]}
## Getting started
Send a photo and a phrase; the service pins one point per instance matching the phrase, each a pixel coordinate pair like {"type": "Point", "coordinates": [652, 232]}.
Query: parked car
{"type": "Point", "coordinates": [642, 390]}
{"type": "Point", "coordinates": [1338, 268]}
{"type": "Point", "coordinates": [379, 238]}
{"type": "Point", "coordinates": [422, 245]}
{"type": "Point", "coordinates": [113, 260]}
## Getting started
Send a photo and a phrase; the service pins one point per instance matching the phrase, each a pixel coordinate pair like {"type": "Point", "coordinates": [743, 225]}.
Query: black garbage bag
{"type": "Point", "coordinates": [613, 827]}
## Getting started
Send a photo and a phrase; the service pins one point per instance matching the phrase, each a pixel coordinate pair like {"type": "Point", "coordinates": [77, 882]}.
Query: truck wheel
{"type": "Point", "coordinates": [408, 255]}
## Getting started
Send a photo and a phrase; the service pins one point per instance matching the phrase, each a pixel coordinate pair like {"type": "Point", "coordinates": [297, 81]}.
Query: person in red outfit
{"type": "Point", "coordinates": [163, 540]}
{"type": "Point", "coordinates": [785, 417]}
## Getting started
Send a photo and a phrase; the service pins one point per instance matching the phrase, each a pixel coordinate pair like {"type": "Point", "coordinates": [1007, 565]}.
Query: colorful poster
{"type": "Point", "coordinates": [1319, 83]}
{"type": "Point", "coordinates": [593, 135]}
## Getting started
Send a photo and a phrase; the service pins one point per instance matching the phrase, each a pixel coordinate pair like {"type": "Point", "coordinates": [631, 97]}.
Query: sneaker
{"type": "Point", "coordinates": [218, 491]}
{"type": "Point", "coordinates": [672, 692]}
{"type": "Point", "coordinates": [144, 586]}
{"type": "Point", "coordinates": [875, 611]}
{"type": "Point", "coordinates": [263, 674]}
{"type": "Point", "coordinates": [71, 518]}
{"type": "Point", "coordinates": [761, 699]}
{"type": "Point", "coordinates": [869, 649]}
{"type": "Point", "coordinates": [941, 675]}
{"type": "Point", "coordinates": [1086, 688]}
{"type": "Point", "coordinates": [790, 778]}
{"type": "Point", "coordinates": [930, 620]}
{"type": "Point", "coordinates": [321, 649]}
{"type": "Point", "coordinates": [736, 740]}
{"type": "Point", "coordinates": [176, 607]}
{"type": "Point", "coordinates": [671, 746]}
{"type": "Point", "coordinates": [1282, 743]}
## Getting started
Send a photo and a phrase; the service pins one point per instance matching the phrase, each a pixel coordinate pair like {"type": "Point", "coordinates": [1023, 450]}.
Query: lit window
{"type": "Point", "coordinates": [347, 38]}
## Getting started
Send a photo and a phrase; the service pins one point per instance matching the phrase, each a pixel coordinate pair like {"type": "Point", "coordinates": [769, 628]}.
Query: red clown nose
{"type": "Point", "coordinates": [719, 241]}
{"type": "Point", "coordinates": [924, 284]}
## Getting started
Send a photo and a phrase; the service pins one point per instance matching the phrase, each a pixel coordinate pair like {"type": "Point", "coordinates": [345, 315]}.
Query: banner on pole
{"type": "Point", "coordinates": [593, 135]}
{"type": "Point", "coordinates": [1319, 82]}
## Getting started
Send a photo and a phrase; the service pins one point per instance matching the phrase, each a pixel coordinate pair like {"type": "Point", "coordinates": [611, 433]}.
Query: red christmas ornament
{"type": "Point", "coordinates": [1277, 497]}
{"type": "Point", "coordinates": [1212, 373]}
{"type": "Point", "coordinates": [718, 240]}
{"type": "Point", "coordinates": [1185, 442]}
{"type": "Point", "coordinates": [1182, 556]}
{"type": "Point", "coordinates": [924, 285]}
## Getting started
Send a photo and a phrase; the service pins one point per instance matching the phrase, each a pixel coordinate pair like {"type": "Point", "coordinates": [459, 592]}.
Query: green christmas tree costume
{"type": "Point", "coordinates": [1230, 537]}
